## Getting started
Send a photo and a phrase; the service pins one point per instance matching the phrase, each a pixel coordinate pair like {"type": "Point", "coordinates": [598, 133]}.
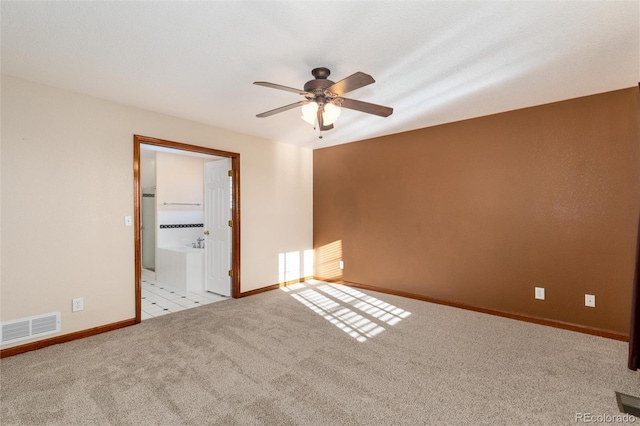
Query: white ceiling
{"type": "Point", "coordinates": [434, 62]}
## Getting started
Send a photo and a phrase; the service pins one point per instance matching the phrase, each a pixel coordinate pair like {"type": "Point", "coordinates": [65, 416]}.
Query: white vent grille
{"type": "Point", "coordinates": [28, 328]}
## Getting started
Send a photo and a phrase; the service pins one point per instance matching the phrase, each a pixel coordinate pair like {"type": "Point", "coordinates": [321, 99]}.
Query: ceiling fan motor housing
{"type": "Point", "coordinates": [319, 84]}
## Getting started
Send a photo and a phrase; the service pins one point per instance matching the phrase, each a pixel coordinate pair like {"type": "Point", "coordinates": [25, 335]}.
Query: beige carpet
{"type": "Point", "coordinates": [319, 355]}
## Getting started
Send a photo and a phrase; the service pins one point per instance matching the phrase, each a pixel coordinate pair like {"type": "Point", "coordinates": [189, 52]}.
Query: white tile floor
{"type": "Point", "coordinates": [160, 299]}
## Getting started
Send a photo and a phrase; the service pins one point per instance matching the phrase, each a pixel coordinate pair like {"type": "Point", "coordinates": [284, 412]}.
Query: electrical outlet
{"type": "Point", "coordinates": [540, 293]}
{"type": "Point", "coordinates": [590, 300]}
{"type": "Point", "coordinates": [77, 304]}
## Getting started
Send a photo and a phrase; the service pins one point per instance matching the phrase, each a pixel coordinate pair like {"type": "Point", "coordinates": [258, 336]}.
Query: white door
{"type": "Point", "coordinates": [217, 215]}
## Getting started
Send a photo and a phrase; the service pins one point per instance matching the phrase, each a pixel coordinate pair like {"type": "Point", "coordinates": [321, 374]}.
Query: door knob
{"type": "Point", "coordinates": [206, 232]}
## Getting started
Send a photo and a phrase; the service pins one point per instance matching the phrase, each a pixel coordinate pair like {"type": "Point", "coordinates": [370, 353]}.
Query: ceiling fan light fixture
{"type": "Point", "coordinates": [330, 114]}
{"type": "Point", "coordinates": [309, 112]}
{"type": "Point", "coordinates": [323, 96]}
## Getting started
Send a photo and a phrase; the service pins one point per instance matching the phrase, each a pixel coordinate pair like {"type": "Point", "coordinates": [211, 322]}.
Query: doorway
{"type": "Point", "coordinates": [232, 163]}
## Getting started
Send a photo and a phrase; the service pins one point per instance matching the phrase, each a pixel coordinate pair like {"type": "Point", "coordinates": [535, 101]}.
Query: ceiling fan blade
{"type": "Point", "coordinates": [380, 110]}
{"type": "Point", "coordinates": [321, 122]}
{"type": "Point", "coordinates": [281, 109]}
{"type": "Point", "coordinates": [353, 82]}
{"type": "Point", "coordinates": [288, 89]}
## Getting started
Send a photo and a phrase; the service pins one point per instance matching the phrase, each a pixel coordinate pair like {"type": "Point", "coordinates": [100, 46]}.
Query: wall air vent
{"type": "Point", "coordinates": [29, 328]}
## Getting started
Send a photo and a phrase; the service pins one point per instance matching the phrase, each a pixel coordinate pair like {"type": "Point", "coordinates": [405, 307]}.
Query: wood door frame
{"type": "Point", "coordinates": [235, 210]}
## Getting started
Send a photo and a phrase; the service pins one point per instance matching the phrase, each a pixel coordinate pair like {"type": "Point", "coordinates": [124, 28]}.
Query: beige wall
{"type": "Point", "coordinates": [481, 211]}
{"type": "Point", "coordinates": [67, 183]}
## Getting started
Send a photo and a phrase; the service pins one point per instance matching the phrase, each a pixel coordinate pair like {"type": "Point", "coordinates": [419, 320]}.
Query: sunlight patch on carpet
{"type": "Point", "coordinates": [339, 304]}
{"type": "Point", "coordinates": [368, 304]}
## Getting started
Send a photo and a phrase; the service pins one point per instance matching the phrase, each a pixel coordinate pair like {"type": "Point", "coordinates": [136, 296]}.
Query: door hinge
{"type": "Point", "coordinates": [231, 223]}
{"type": "Point", "coordinates": [230, 273]}
{"type": "Point", "coordinates": [230, 172]}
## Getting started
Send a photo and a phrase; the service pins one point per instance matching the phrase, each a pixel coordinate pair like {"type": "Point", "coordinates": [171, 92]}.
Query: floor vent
{"type": "Point", "coordinates": [28, 328]}
{"type": "Point", "coordinates": [628, 404]}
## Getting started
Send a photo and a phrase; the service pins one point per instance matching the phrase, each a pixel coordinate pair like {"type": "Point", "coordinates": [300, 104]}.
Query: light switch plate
{"type": "Point", "coordinates": [540, 293]}
{"type": "Point", "coordinates": [128, 221]}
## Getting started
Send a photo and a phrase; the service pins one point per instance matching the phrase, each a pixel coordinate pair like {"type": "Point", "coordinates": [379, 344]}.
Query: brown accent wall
{"type": "Point", "coordinates": [479, 212]}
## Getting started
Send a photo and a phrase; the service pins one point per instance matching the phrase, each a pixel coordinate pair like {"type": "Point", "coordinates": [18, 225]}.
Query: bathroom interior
{"type": "Point", "coordinates": [173, 247]}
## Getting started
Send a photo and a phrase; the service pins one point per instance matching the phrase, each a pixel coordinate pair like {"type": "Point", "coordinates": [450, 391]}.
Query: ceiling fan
{"type": "Point", "coordinates": [323, 98]}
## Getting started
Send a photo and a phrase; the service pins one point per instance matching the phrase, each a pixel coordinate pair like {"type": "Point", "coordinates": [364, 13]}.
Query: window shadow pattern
{"type": "Point", "coordinates": [359, 315]}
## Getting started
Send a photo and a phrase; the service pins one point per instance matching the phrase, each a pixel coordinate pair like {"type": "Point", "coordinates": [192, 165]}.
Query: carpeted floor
{"type": "Point", "coordinates": [319, 354]}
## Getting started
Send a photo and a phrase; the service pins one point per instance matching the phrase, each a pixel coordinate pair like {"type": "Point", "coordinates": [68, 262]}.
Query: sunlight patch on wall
{"type": "Point", "coordinates": [339, 305]}
{"type": "Point", "coordinates": [288, 266]}
{"type": "Point", "coordinates": [307, 258]}
{"type": "Point", "coordinates": [294, 265]}
{"type": "Point", "coordinates": [328, 260]}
